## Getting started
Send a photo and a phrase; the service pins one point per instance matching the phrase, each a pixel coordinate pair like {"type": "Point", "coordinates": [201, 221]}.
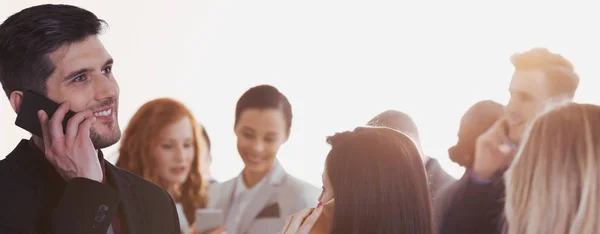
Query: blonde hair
{"type": "Point", "coordinates": [553, 186]}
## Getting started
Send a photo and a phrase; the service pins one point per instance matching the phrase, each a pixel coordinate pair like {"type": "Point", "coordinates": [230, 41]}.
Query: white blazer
{"type": "Point", "coordinates": [282, 195]}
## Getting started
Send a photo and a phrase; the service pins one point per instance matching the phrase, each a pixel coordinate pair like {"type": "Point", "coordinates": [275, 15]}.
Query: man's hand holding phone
{"type": "Point", "coordinates": [491, 151]}
{"type": "Point", "coordinates": [72, 153]}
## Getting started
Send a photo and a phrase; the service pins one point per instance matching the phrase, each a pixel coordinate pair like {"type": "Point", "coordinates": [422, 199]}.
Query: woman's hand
{"type": "Point", "coordinates": [219, 230]}
{"type": "Point", "coordinates": [302, 222]}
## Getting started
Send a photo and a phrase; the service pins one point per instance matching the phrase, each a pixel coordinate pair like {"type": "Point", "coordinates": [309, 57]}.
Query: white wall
{"type": "Point", "coordinates": [339, 62]}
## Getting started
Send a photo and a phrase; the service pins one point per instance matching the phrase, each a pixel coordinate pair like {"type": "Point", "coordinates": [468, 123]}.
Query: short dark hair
{"type": "Point", "coordinates": [27, 37]}
{"type": "Point", "coordinates": [379, 183]}
{"type": "Point", "coordinates": [476, 120]}
{"type": "Point", "coordinates": [264, 97]}
{"type": "Point", "coordinates": [559, 71]}
{"type": "Point", "coordinates": [396, 120]}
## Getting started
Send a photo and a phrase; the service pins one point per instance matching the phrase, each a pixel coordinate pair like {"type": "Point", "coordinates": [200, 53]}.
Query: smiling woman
{"type": "Point", "coordinates": [264, 194]}
{"type": "Point", "coordinates": [163, 144]}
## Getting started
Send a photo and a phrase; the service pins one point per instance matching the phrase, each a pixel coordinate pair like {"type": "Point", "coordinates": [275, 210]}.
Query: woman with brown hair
{"type": "Point", "coordinates": [163, 143]}
{"type": "Point", "coordinates": [373, 182]}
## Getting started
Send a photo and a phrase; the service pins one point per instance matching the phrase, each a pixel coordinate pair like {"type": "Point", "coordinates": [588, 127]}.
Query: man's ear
{"type": "Point", "coordinates": [16, 98]}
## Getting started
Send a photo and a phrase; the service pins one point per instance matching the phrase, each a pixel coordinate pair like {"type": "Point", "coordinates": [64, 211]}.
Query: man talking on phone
{"type": "Point", "coordinates": [477, 204]}
{"type": "Point", "coordinates": [59, 182]}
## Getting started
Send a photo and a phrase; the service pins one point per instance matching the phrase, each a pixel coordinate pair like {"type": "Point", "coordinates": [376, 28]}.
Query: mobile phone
{"type": "Point", "coordinates": [27, 117]}
{"type": "Point", "coordinates": [208, 219]}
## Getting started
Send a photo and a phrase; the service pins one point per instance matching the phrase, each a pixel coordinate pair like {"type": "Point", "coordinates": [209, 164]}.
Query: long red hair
{"type": "Point", "coordinates": [140, 139]}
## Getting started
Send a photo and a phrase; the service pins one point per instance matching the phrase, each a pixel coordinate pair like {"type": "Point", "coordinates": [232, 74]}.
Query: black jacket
{"type": "Point", "coordinates": [468, 207]}
{"type": "Point", "coordinates": [35, 199]}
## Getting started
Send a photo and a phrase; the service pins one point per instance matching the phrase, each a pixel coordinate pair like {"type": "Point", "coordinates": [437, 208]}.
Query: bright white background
{"type": "Point", "coordinates": [339, 62]}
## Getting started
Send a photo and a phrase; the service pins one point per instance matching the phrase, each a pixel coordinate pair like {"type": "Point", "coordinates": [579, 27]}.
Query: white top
{"type": "Point", "coordinates": [110, 230]}
{"type": "Point", "coordinates": [242, 197]}
{"type": "Point", "coordinates": [183, 223]}
{"type": "Point", "coordinates": [288, 192]}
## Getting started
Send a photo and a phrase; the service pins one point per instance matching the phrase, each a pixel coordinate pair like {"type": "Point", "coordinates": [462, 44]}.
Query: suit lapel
{"type": "Point", "coordinates": [35, 167]}
{"type": "Point", "coordinates": [223, 194]}
{"type": "Point", "coordinates": [267, 193]}
{"type": "Point", "coordinates": [132, 214]}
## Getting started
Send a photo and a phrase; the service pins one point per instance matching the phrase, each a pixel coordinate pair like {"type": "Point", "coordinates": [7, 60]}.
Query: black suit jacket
{"type": "Point", "coordinates": [35, 199]}
{"type": "Point", "coordinates": [466, 207]}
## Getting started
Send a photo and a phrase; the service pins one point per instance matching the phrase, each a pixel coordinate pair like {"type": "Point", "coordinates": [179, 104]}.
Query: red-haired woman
{"type": "Point", "coordinates": [163, 143]}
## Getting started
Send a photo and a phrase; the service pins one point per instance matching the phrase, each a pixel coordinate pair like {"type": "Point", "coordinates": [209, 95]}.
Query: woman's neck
{"type": "Point", "coordinates": [175, 191]}
{"type": "Point", "coordinates": [251, 178]}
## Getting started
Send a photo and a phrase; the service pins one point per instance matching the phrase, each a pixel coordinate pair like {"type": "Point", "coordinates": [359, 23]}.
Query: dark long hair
{"type": "Point", "coordinates": [379, 183]}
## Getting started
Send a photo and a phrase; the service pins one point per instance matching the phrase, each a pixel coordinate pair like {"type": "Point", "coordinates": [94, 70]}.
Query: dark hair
{"type": "Point", "coordinates": [478, 119]}
{"type": "Point", "coordinates": [558, 70]}
{"type": "Point", "coordinates": [379, 183]}
{"type": "Point", "coordinates": [264, 97]}
{"type": "Point", "coordinates": [396, 120]}
{"type": "Point", "coordinates": [27, 37]}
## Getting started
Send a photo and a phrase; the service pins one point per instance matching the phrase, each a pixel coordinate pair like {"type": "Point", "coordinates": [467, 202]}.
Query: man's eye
{"type": "Point", "coordinates": [107, 70]}
{"type": "Point", "coordinates": [79, 78]}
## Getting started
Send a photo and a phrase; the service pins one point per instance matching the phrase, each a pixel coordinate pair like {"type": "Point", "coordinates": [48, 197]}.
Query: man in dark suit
{"type": "Point", "coordinates": [59, 182]}
{"type": "Point", "coordinates": [478, 119]}
{"type": "Point", "coordinates": [438, 178]}
{"type": "Point", "coordinates": [476, 203]}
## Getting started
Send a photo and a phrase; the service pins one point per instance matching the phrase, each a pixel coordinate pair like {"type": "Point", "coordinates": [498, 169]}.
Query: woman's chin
{"type": "Point", "coordinates": [176, 179]}
{"type": "Point", "coordinates": [256, 168]}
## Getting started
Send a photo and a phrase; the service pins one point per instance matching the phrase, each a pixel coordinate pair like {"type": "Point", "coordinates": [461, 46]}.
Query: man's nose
{"type": "Point", "coordinates": [105, 87]}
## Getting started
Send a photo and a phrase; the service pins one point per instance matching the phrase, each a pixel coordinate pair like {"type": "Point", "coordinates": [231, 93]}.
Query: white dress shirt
{"type": "Point", "coordinates": [183, 223]}
{"type": "Point", "coordinates": [110, 230]}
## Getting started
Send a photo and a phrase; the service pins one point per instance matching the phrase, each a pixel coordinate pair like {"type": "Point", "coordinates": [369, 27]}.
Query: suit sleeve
{"type": "Point", "coordinates": [7, 230]}
{"type": "Point", "coordinates": [472, 207]}
{"type": "Point", "coordinates": [86, 206]}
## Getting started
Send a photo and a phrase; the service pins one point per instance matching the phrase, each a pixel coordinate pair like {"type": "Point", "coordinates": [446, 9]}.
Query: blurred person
{"type": "Point", "coordinates": [263, 195]}
{"type": "Point", "coordinates": [60, 182]}
{"type": "Point", "coordinates": [553, 185]}
{"type": "Point", "coordinates": [206, 160]}
{"type": "Point", "coordinates": [540, 77]}
{"type": "Point", "coordinates": [438, 178]}
{"type": "Point", "coordinates": [375, 178]}
{"type": "Point", "coordinates": [478, 119]}
{"type": "Point", "coordinates": [164, 144]}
